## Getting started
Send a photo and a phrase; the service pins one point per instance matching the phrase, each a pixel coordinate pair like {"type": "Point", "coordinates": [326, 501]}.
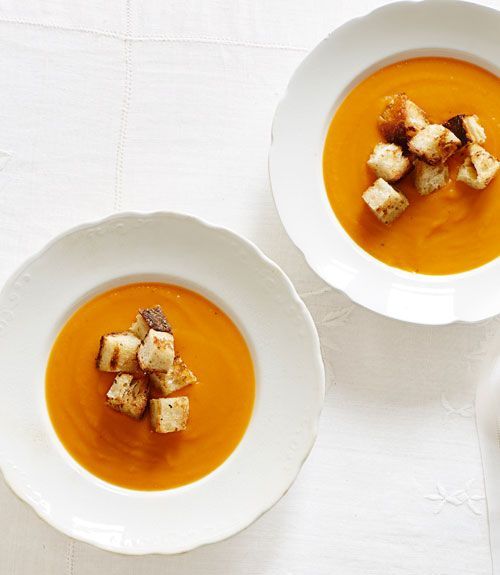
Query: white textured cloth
{"type": "Point", "coordinates": [488, 426]}
{"type": "Point", "coordinates": [149, 105]}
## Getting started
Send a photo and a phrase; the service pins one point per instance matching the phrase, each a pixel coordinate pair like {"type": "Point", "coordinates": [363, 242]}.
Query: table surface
{"type": "Point", "coordinates": [110, 106]}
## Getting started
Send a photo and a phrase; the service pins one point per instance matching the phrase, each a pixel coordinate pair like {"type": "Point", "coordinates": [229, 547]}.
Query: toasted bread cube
{"type": "Point", "coordinates": [467, 129]}
{"type": "Point", "coordinates": [388, 162]}
{"type": "Point", "coordinates": [150, 318]}
{"type": "Point", "coordinates": [169, 414]}
{"type": "Point", "coordinates": [428, 178]}
{"type": "Point", "coordinates": [385, 201]}
{"type": "Point", "coordinates": [434, 144]}
{"type": "Point", "coordinates": [156, 352]}
{"type": "Point", "coordinates": [118, 352]}
{"type": "Point", "coordinates": [140, 327]}
{"type": "Point", "coordinates": [177, 377]}
{"type": "Point", "coordinates": [128, 395]}
{"type": "Point", "coordinates": [401, 120]}
{"type": "Point", "coordinates": [479, 168]}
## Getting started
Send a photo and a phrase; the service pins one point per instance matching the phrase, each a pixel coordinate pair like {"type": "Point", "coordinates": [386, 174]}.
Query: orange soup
{"type": "Point", "coordinates": [452, 230]}
{"type": "Point", "coordinates": [124, 451]}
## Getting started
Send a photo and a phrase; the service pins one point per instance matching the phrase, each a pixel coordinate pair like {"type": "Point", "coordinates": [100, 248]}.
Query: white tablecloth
{"type": "Point", "coordinates": [108, 106]}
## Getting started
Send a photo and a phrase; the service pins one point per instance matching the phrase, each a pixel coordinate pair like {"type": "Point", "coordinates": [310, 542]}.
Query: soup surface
{"type": "Point", "coordinates": [124, 451]}
{"type": "Point", "coordinates": [452, 230]}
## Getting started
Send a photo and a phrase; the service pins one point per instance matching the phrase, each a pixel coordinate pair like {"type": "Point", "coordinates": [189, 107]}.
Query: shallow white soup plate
{"type": "Point", "coordinates": [351, 53]}
{"type": "Point", "coordinates": [253, 291]}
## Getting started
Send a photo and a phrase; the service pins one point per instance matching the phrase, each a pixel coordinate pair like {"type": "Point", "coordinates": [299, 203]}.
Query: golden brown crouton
{"type": "Point", "coordinates": [434, 144]}
{"type": "Point", "coordinates": [401, 120]}
{"type": "Point", "coordinates": [118, 352]}
{"type": "Point", "coordinates": [169, 414]}
{"type": "Point", "coordinates": [479, 168]}
{"type": "Point", "coordinates": [385, 201]}
{"type": "Point", "coordinates": [388, 162]}
{"type": "Point", "coordinates": [128, 395]}
{"type": "Point", "coordinates": [156, 352]}
{"type": "Point", "coordinates": [177, 377]}
{"type": "Point", "coordinates": [428, 178]}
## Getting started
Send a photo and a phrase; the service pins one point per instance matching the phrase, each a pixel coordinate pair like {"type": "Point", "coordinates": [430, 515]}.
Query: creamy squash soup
{"type": "Point", "coordinates": [410, 165]}
{"type": "Point", "coordinates": [150, 386]}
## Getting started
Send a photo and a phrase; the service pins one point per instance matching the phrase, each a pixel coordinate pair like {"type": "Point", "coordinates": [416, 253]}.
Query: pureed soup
{"type": "Point", "coordinates": [124, 451]}
{"type": "Point", "coordinates": [452, 230]}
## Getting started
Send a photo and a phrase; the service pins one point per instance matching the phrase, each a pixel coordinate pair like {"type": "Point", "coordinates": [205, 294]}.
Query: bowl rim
{"type": "Point", "coordinates": [236, 527]}
{"type": "Point", "coordinates": [359, 75]}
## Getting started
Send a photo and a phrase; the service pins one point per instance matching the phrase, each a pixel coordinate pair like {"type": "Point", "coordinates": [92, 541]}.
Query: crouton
{"type": "Point", "coordinates": [428, 178]}
{"type": "Point", "coordinates": [177, 377]}
{"type": "Point", "coordinates": [388, 162]}
{"type": "Point", "coordinates": [150, 318]}
{"type": "Point", "coordinates": [169, 414]}
{"type": "Point", "coordinates": [479, 168]}
{"type": "Point", "coordinates": [156, 352]}
{"type": "Point", "coordinates": [140, 327]}
{"type": "Point", "coordinates": [385, 201]}
{"type": "Point", "coordinates": [128, 395]}
{"type": "Point", "coordinates": [467, 129]}
{"type": "Point", "coordinates": [434, 144]}
{"type": "Point", "coordinates": [118, 352]}
{"type": "Point", "coordinates": [401, 120]}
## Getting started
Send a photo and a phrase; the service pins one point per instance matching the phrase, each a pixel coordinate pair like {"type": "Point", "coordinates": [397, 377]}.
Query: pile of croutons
{"type": "Point", "coordinates": [144, 356]}
{"type": "Point", "coordinates": [413, 143]}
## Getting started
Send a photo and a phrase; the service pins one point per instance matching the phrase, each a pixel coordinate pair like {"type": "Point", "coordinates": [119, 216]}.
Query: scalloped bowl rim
{"type": "Point", "coordinates": [281, 131]}
{"type": "Point", "coordinates": [19, 489]}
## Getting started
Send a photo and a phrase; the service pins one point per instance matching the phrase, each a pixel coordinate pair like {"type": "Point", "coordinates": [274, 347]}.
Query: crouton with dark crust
{"type": "Point", "coordinates": [150, 318]}
{"type": "Point", "coordinates": [467, 129]}
{"type": "Point", "coordinates": [401, 120]}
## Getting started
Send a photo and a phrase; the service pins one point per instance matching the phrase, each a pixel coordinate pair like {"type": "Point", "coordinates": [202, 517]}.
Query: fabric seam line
{"type": "Point", "coordinates": [127, 94]}
{"type": "Point", "coordinates": [128, 37]}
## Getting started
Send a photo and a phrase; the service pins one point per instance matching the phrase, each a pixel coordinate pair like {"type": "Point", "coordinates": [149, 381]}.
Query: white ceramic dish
{"type": "Point", "coordinates": [352, 52]}
{"type": "Point", "coordinates": [283, 341]}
